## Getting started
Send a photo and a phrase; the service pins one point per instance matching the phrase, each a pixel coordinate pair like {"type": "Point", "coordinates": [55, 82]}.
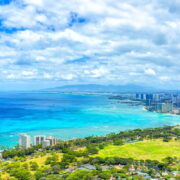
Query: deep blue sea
{"type": "Point", "coordinates": [69, 116]}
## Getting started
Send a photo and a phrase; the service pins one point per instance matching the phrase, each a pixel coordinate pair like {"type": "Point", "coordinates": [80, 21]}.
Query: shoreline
{"type": "Point", "coordinates": [172, 114]}
{"type": "Point", "coordinates": [60, 130]}
{"type": "Point", "coordinates": [79, 122]}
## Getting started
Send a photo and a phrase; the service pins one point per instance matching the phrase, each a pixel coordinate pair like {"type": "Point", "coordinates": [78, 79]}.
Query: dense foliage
{"type": "Point", "coordinates": [127, 136]}
{"type": "Point", "coordinates": [79, 160]}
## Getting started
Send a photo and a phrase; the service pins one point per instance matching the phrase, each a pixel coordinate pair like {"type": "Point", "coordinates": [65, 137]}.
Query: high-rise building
{"type": "Point", "coordinates": [1, 154]}
{"type": "Point", "coordinates": [39, 140]}
{"type": "Point", "coordinates": [149, 99]}
{"type": "Point", "coordinates": [52, 140]}
{"type": "Point", "coordinates": [167, 107]}
{"type": "Point", "coordinates": [149, 96]}
{"type": "Point", "coordinates": [143, 96]}
{"type": "Point", "coordinates": [164, 107]}
{"type": "Point", "coordinates": [138, 96]}
{"type": "Point", "coordinates": [45, 143]}
{"type": "Point", "coordinates": [156, 97]}
{"type": "Point", "coordinates": [24, 141]}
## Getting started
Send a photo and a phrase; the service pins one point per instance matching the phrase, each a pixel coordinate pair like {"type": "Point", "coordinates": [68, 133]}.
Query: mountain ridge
{"type": "Point", "coordinates": [92, 88]}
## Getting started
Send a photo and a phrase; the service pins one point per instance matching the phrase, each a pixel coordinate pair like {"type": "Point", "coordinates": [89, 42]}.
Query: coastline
{"type": "Point", "coordinates": [74, 116]}
{"type": "Point", "coordinates": [79, 132]}
{"type": "Point", "coordinates": [171, 114]}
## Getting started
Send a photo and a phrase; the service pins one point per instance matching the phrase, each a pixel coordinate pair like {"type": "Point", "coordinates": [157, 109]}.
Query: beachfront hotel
{"type": "Point", "coordinates": [45, 143]}
{"type": "Point", "coordinates": [39, 140]}
{"type": "Point", "coordinates": [52, 140]}
{"type": "Point", "coordinates": [24, 141]}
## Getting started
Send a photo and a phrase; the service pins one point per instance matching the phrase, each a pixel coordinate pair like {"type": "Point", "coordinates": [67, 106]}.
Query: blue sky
{"type": "Point", "coordinates": [46, 43]}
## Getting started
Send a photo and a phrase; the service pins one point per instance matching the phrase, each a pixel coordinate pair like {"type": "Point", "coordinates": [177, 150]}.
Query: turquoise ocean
{"type": "Point", "coordinates": [68, 116]}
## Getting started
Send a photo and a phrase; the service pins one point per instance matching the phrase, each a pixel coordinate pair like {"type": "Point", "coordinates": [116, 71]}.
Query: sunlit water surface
{"type": "Point", "coordinates": [69, 116]}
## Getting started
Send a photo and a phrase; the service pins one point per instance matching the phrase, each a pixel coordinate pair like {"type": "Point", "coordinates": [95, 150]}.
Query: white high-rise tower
{"type": "Point", "coordinates": [24, 141]}
{"type": "Point", "coordinates": [39, 140]}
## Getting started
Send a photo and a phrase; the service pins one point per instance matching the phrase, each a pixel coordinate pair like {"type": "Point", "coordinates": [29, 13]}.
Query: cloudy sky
{"type": "Point", "coordinates": [46, 43]}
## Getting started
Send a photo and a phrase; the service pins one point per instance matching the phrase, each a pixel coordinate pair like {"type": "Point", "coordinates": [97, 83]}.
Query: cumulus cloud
{"type": "Point", "coordinates": [150, 72]}
{"type": "Point", "coordinates": [96, 73]}
{"type": "Point", "coordinates": [102, 41]}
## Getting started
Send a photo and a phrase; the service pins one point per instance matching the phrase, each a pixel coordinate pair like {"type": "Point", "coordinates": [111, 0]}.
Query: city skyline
{"type": "Point", "coordinates": [47, 44]}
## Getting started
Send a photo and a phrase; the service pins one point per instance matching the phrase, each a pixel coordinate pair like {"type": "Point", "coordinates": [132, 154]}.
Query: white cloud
{"type": "Point", "coordinates": [28, 73]}
{"type": "Point", "coordinates": [96, 73]}
{"type": "Point", "coordinates": [11, 76]}
{"type": "Point", "coordinates": [67, 76]}
{"type": "Point", "coordinates": [47, 76]}
{"type": "Point", "coordinates": [82, 41]}
{"type": "Point", "coordinates": [150, 72]}
{"type": "Point", "coordinates": [34, 2]}
{"type": "Point", "coordinates": [164, 78]}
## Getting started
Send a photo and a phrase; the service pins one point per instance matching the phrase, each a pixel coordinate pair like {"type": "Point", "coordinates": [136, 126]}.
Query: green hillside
{"type": "Point", "coordinates": [147, 149]}
{"type": "Point", "coordinates": [136, 154]}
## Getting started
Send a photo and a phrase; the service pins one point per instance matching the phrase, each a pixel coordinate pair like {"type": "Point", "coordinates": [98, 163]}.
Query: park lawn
{"type": "Point", "coordinates": [40, 160]}
{"type": "Point", "coordinates": [5, 176]}
{"type": "Point", "coordinates": [147, 149]}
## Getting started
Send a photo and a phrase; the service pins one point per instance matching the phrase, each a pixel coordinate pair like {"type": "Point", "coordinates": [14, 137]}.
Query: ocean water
{"type": "Point", "coordinates": [69, 116]}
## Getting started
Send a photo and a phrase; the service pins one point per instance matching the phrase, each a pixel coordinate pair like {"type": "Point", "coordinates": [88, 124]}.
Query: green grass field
{"type": "Point", "coordinates": [149, 149]}
{"type": "Point", "coordinates": [40, 160]}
